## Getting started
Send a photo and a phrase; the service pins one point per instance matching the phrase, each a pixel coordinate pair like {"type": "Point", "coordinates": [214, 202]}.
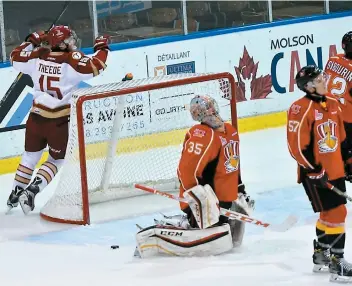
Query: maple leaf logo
{"type": "Point", "coordinates": [250, 87]}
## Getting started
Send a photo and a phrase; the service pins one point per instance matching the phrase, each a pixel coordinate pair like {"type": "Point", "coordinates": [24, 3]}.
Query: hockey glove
{"type": "Point", "coordinates": [101, 43]}
{"type": "Point", "coordinates": [242, 192]}
{"type": "Point", "coordinates": [348, 170]}
{"type": "Point", "coordinates": [36, 38]}
{"type": "Point", "coordinates": [128, 76]}
{"type": "Point", "coordinates": [318, 178]}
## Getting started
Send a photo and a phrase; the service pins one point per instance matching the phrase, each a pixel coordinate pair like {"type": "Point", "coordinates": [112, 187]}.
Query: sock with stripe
{"type": "Point", "coordinates": [48, 171]}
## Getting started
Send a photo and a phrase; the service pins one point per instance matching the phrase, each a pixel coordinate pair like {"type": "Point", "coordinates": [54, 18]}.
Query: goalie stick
{"type": "Point", "coordinates": [284, 226]}
{"type": "Point", "coordinates": [21, 81]}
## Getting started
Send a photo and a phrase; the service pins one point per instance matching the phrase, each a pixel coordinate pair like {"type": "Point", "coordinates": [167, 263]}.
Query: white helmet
{"type": "Point", "coordinates": [205, 109]}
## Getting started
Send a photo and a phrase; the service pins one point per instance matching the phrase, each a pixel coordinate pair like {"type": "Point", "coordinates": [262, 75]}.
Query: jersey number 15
{"type": "Point", "coordinates": [46, 85]}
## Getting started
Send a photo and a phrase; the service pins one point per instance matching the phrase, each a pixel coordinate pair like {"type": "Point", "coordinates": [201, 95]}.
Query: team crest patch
{"type": "Point", "coordinates": [199, 133]}
{"type": "Point", "coordinates": [223, 140]}
{"type": "Point", "coordinates": [327, 132]}
{"type": "Point", "coordinates": [318, 115]}
{"type": "Point", "coordinates": [231, 151]}
{"type": "Point", "coordinates": [76, 55]}
{"type": "Point", "coordinates": [295, 109]}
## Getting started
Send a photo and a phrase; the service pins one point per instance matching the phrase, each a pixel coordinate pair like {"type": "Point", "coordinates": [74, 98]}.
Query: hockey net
{"type": "Point", "coordinates": [126, 133]}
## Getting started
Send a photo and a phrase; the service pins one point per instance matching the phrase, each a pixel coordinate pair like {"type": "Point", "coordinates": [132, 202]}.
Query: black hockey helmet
{"type": "Point", "coordinates": [307, 74]}
{"type": "Point", "coordinates": [347, 44]}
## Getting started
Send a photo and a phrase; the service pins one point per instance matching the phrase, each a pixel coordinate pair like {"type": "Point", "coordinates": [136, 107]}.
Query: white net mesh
{"type": "Point", "coordinates": [144, 130]}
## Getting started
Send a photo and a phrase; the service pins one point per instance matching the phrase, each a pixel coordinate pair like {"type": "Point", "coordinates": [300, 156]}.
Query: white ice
{"type": "Point", "coordinates": [35, 252]}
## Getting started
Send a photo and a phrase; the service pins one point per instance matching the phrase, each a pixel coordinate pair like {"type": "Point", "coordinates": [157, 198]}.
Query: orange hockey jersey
{"type": "Point", "coordinates": [210, 157]}
{"type": "Point", "coordinates": [315, 132]}
{"type": "Point", "coordinates": [339, 70]}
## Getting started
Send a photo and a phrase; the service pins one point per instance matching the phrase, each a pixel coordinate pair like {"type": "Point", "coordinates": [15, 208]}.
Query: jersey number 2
{"type": "Point", "coordinates": [338, 86]}
{"type": "Point", "coordinates": [54, 91]}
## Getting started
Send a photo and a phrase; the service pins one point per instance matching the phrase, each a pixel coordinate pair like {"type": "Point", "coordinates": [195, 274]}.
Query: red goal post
{"type": "Point", "coordinates": [71, 200]}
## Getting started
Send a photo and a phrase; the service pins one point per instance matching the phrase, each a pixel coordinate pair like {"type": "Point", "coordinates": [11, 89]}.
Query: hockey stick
{"type": "Point", "coordinates": [338, 191]}
{"type": "Point", "coordinates": [284, 226]}
{"type": "Point", "coordinates": [21, 81]}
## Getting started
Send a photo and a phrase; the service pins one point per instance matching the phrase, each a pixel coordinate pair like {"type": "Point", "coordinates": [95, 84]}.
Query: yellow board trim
{"type": "Point", "coordinates": [247, 124]}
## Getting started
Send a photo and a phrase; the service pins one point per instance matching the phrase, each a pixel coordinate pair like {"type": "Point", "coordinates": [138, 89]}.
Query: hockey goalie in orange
{"type": "Point", "coordinates": [209, 175]}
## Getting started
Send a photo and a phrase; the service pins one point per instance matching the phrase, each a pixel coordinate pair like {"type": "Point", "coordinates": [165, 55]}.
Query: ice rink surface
{"type": "Point", "coordinates": [35, 252]}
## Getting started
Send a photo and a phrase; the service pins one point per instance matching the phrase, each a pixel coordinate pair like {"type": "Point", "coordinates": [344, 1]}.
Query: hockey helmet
{"type": "Point", "coordinates": [62, 38]}
{"type": "Point", "coordinates": [347, 43]}
{"type": "Point", "coordinates": [307, 74]}
{"type": "Point", "coordinates": [205, 109]}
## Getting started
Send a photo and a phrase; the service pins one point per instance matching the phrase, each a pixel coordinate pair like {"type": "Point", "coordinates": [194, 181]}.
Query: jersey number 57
{"type": "Point", "coordinates": [293, 126]}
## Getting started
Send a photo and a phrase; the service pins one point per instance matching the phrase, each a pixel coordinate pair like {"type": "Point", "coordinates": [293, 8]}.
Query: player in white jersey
{"type": "Point", "coordinates": [56, 69]}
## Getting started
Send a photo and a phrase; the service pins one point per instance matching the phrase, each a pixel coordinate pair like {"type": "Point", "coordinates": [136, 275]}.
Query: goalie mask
{"type": "Point", "coordinates": [205, 109]}
{"type": "Point", "coordinates": [62, 38]}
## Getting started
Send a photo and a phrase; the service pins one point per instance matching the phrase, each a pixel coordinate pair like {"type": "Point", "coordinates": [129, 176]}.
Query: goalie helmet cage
{"type": "Point", "coordinates": [126, 133]}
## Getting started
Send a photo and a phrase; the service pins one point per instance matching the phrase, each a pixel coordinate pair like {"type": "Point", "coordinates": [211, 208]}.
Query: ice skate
{"type": "Point", "coordinates": [340, 269]}
{"type": "Point", "coordinates": [321, 259]}
{"type": "Point", "coordinates": [26, 199]}
{"type": "Point", "coordinates": [12, 201]}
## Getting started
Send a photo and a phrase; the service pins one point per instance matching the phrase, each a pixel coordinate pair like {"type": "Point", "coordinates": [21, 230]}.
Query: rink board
{"type": "Point", "coordinates": [9, 165]}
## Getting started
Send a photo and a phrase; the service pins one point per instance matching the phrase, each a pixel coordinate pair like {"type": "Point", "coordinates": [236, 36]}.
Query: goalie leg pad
{"type": "Point", "coordinates": [204, 205]}
{"type": "Point", "coordinates": [169, 241]}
